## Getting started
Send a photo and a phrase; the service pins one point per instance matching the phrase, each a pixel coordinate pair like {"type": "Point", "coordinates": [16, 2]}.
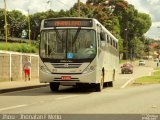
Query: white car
{"type": "Point", "coordinates": [156, 60]}
{"type": "Point", "coordinates": [142, 62]}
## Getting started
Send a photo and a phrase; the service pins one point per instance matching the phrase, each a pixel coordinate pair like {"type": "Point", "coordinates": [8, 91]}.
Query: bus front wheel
{"type": "Point", "coordinates": [54, 86]}
{"type": "Point", "coordinates": [99, 86]}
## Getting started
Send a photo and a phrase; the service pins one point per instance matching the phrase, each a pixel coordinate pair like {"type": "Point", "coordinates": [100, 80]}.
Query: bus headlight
{"type": "Point", "coordinates": [44, 69]}
{"type": "Point", "coordinates": [89, 69]}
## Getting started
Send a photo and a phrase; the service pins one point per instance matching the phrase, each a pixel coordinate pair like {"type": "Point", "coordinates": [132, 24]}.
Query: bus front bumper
{"type": "Point", "coordinates": [90, 77]}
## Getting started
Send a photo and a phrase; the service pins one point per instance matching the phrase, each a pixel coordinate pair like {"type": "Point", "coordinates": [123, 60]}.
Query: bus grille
{"type": "Point", "coordinates": [66, 65]}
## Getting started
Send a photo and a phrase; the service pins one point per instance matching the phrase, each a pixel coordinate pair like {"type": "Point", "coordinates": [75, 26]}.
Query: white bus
{"type": "Point", "coordinates": [76, 51]}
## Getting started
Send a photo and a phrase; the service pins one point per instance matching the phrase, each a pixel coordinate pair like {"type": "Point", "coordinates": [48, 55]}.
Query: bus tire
{"type": "Point", "coordinates": [99, 86]}
{"type": "Point", "coordinates": [110, 84]}
{"type": "Point", "coordinates": [54, 86]}
{"type": "Point", "coordinates": [114, 74]}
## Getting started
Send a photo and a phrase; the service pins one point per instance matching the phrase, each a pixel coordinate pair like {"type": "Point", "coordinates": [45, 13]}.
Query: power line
{"type": "Point", "coordinates": [63, 3]}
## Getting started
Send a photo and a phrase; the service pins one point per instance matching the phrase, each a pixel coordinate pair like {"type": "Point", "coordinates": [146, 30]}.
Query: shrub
{"type": "Point", "coordinates": [19, 47]}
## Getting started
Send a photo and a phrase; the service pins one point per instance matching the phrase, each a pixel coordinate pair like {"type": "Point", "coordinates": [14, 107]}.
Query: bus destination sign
{"type": "Point", "coordinates": [68, 23]}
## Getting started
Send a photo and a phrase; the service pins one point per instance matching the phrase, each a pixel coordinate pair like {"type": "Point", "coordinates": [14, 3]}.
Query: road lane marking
{"type": "Point", "coordinates": [13, 107]}
{"type": "Point", "coordinates": [65, 97]}
{"type": "Point", "coordinates": [127, 82]}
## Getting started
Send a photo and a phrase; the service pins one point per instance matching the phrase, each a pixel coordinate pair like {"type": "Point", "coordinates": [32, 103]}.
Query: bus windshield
{"type": "Point", "coordinates": [68, 44]}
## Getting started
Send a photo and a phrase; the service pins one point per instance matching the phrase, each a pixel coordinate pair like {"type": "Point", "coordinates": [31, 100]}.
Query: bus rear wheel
{"type": "Point", "coordinates": [54, 86]}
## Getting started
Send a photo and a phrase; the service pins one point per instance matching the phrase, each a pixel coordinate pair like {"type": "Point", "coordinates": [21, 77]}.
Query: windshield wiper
{"type": "Point", "coordinates": [76, 35]}
{"type": "Point", "coordinates": [59, 36]}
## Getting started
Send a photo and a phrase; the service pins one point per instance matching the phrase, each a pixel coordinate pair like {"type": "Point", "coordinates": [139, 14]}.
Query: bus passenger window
{"type": "Point", "coordinates": [116, 45]}
{"type": "Point", "coordinates": [107, 39]}
{"type": "Point", "coordinates": [111, 41]}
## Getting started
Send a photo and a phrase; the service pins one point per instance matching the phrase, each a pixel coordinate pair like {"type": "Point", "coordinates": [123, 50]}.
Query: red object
{"type": "Point", "coordinates": [127, 68]}
{"type": "Point", "coordinates": [68, 23]}
{"type": "Point", "coordinates": [27, 71]}
{"type": "Point", "coordinates": [65, 77]}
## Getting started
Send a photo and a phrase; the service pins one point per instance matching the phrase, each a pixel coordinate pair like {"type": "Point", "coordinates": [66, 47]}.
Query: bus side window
{"type": "Point", "coordinates": [111, 41]}
{"type": "Point", "coordinates": [108, 39]}
{"type": "Point", "coordinates": [116, 45]}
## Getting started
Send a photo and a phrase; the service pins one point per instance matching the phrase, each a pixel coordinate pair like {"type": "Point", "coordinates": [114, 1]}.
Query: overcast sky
{"type": "Point", "coordinates": [151, 7]}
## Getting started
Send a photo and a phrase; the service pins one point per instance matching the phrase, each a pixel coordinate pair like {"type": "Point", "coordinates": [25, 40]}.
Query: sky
{"type": "Point", "coordinates": [151, 7]}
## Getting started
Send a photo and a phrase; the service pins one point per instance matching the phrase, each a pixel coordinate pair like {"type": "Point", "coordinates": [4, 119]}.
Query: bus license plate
{"type": "Point", "coordinates": [65, 77]}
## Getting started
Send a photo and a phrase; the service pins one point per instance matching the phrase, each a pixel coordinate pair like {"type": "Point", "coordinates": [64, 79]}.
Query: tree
{"type": "Point", "coordinates": [85, 10]}
{"type": "Point", "coordinates": [35, 21]}
{"type": "Point", "coordinates": [142, 24]}
{"type": "Point", "coordinates": [17, 21]}
{"type": "Point", "coordinates": [133, 25]}
{"type": "Point", "coordinates": [138, 47]}
{"type": "Point", "coordinates": [2, 22]}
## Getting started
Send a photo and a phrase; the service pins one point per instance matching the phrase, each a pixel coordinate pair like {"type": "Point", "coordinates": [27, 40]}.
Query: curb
{"type": "Point", "coordinates": [21, 88]}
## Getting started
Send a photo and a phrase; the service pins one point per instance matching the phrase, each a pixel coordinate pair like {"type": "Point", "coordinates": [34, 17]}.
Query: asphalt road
{"type": "Point", "coordinates": [120, 99]}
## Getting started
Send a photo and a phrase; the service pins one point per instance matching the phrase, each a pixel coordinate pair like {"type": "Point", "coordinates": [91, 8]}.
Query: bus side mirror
{"type": "Point", "coordinates": [102, 36]}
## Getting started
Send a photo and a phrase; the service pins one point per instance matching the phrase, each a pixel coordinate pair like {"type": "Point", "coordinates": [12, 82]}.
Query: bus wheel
{"type": "Point", "coordinates": [114, 74]}
{"type": "Point", "coordinates": [54, 86]}
{"type": "Point", "coordinates": [99, 86]}
{"type": "Point", "coordinates": [110, 84]}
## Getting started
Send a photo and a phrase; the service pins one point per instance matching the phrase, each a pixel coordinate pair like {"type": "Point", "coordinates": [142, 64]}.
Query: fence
{"type": "Point", "coordinates": [11, 66]}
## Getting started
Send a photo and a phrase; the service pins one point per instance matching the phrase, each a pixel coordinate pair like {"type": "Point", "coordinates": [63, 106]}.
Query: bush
{"type": "Point", "coordinates": [19, 47]}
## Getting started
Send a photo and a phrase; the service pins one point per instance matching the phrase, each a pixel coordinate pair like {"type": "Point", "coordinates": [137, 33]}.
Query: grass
{"type": "Point", "coordinates": [4, 80]}
{"type": "Point", "coordinates": [147, 80]}
{"type": "Point", "coordinates": [153, 79]}
{"type": "Point", "coordinates": [19, 47]}
{"type": "Point", "coordinates": [122, 61]}
{"type": "Point", "coordinates": [157, 68]}
{"type": "Point", "coordinates": [157, 73]}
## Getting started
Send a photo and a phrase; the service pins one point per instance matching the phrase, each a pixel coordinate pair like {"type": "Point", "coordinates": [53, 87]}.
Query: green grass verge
{"type": "Point", "coordinates": [122, 61]}
{"type": "Point", "coordinates": [157, 73]}
{"type": "Point", "coordinates": [153, 79]}
{"type": "Point", "coordinates": [4, 80]}
{"type": "Point", "coordinates": [157, 68]}
{"type": "Point", "coordinates": [147, 80]}
{"type": "Point", "coordinates": [19, 47]}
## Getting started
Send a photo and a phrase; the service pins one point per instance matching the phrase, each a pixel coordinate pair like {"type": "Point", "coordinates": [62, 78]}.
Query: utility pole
{"type": "Point", "coordinates": [78, 8]}
{"type": "Point", "coordinates": [126, 40]}
{"type": "Point", "coordinates": [5, 26]}
{"type": "Point", "coordinates": [29, 30]}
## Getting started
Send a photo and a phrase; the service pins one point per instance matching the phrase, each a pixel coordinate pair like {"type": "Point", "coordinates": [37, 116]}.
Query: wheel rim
{"type": "Point", "coordinates": [102, 82]}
